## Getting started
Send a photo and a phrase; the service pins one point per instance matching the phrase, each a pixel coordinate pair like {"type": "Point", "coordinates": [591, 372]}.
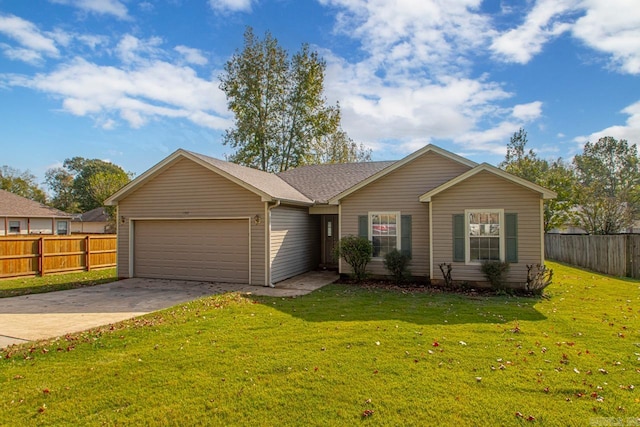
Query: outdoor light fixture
{"type": "Point", "coordinates": [257, 219]}
{"type": "Point", "coordinates": [122, 219]}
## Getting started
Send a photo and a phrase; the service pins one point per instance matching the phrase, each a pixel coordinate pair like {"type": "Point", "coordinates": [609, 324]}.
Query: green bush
{"type": "Point", "coordinates": [398, 265]}
{"type": "Point", "coordinates": [357, 252]}
{"type": "Point", "coordinates": [496, 273]}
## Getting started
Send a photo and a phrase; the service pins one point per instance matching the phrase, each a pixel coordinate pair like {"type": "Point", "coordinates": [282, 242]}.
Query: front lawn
{"type": "Point", "coordinates": [345, 355]}
{"type": "Point", "coordinates": [55, 282]}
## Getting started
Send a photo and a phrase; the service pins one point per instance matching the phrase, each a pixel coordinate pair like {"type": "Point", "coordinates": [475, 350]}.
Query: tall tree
{"type": "Point", "coordinates": [279, 107]}
{"type": "Point", "coordinates": [84, 184]}
{"type": "Point", "coordinates": [608, 188]}
{"type": "Point", "coordinates": [60, 183]}
{"type": "Point", "coordinates": [337, 148]}
{"type": "Point", "coordinates": [555, 175]}
{"type": "Point", "coordinates": [21, 183]}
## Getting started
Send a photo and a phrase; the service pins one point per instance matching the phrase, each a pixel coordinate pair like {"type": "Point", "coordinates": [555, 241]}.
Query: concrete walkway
{"type": "Point", "coordinates": [38, 316]}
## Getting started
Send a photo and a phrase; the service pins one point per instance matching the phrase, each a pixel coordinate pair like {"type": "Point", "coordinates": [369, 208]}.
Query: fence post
{"type": "Point", "coordinates": [87, 248]}
{"type": "Point", "coordinates": [628, 260]}
{"type": "Point", "coordinates": [41, 257]}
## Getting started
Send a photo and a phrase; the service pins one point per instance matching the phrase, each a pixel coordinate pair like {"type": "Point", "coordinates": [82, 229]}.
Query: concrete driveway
{"type": "Point", "coordinates": [33, 317]}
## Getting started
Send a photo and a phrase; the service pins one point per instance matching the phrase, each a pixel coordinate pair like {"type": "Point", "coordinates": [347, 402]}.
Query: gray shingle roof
{"type": "Point", "coordinates": [94, 215]}
{"type": "Point", "coordinates": [267, 183]}
{"type": "Point", "coordinates": [17, 206]}
{"type": "Point", "coordinates": [322, 182]}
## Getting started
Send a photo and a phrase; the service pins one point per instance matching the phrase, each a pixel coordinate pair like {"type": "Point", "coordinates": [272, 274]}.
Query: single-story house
{"type": "Point", "coordinates": [196, 217]}
{"type": "Point", "coordinates": [95, 221]}
{"type": "Point", "coordinates": [19, 215]}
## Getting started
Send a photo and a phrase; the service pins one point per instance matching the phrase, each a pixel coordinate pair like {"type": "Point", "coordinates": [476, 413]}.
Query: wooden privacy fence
{"type": "Point", "coordinates": [39, 255]}
{"type": "Point", "coordinates": [618, 255]}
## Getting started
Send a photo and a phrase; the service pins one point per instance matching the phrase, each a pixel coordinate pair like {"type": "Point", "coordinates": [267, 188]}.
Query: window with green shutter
{"type": "Point", "coordinates": [405, 238]}
{"type": "Point", "coordinates": [458, 238]}
{"type": "Point", "coordinates": [511, 237]}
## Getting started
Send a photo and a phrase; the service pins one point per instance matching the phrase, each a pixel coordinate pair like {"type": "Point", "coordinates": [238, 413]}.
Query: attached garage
{"type": "Point", "coordinates": [192, 249]}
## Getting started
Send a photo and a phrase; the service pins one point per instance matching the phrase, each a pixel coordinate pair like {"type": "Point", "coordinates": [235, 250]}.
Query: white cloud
{"type": "Point", "coordinates": [147, 91]}
{"type": "Point", "coordinates": [231, 5]}
{"type": "Point", "coordinates": [414, 33]}
{"type": "Point", "coordinates": [542, 23]}
{"type": "Point", "coordinates": [191, 55]}
{"type": "Point", "coordinates": [528, 112]}
{"type": "Point", "coordinates": [20, 54]}
{"type": "Point", "coordinates": [131, 49]}
{"type": "Point", "coordinates": [99, 7]}
{"type": "Point", "coordinates": [28, 36]}
{"type": "Point", "coordinates": [414, 84]}
{"type": "Point", "coordinates": [612, 27]}
{"type": "Point", "coordinates": [629, 131]}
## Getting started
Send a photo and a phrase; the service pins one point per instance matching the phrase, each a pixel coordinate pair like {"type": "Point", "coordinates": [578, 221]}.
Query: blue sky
{"type": "Point", "coordinates": [132, 81]}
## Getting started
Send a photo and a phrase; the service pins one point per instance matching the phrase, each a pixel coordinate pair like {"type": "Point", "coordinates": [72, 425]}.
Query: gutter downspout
{"type": "Point", "coordinates": [268, 244]}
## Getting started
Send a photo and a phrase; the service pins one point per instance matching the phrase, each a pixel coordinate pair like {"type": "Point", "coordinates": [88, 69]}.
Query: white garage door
{"type": "Point", "coordinates": [207, 250]}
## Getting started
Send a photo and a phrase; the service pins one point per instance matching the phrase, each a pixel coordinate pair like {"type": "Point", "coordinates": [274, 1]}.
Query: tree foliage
{"type": "Point", "coordinates": [555, 175]}
{"type": "Point", "coordinates": [84, 184]}
{"type": "Point", "coordinates": [608, 188]}
{"type": "Point", "coordinates": [282, 119]}
{"type": "Point", "coordinates": [21, 183]}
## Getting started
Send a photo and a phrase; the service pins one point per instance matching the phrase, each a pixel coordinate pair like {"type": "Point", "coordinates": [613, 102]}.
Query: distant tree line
{"type": "Point", "coordinates": [80, 185]}
{"type": "Point", "coordinates": [598, 191]}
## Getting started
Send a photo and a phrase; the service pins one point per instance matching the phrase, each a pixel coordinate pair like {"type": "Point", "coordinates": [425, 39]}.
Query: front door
{"type": "Point", "coordinates": [330, 237]}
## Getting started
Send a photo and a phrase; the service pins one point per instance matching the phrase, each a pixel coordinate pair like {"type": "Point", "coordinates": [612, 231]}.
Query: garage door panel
{"type": "Point", "coordinates": [210, 250]}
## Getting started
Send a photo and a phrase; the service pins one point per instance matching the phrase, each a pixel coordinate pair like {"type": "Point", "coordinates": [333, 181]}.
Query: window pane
{"type": "Point", "coordinates": [384, 232]}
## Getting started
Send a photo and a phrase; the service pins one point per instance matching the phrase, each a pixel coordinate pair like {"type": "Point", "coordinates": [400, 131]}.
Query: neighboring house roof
{"type": "Point", "coordinates": [267, 185]}
{"type": "Point", "coordinates": [322, 182]}
{"type": "Point", "coordinates": [546, 194]}
{"type": "Point", "coordinates": [12, 205]}
{"type": "Point", "coordinates": [94, 215]}
{"type": "Point", "coordinates": [428, 148]}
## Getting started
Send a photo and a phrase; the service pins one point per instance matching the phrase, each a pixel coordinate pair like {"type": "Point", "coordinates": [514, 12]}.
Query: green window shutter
{"type": "Point", "coordinates": [511, 237]}
{"type": "Point", "coordinates": [458, 238]}
{"type": "Point", "coordinates": [363, 226]}
{"type": "Point", "coordinates": [405, 230]}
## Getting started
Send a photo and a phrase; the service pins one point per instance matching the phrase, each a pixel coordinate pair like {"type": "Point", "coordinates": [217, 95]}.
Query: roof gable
{"type": "Point", "coordinates": [545, 193]}
{"type": "Point", "coordinates": [400, 163]}
{"type": "Point", "coordinates": [18, 206]}
{"type": "Point", "coordinates": [266, 185]}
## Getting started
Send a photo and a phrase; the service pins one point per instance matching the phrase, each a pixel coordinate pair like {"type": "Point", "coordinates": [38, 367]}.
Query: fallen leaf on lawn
{"type": "Point", "coordinates": [576, 370]}
{"type": "Point", "coordinates": [603, 371]}
{"type": "Point", "coordinates": [463, 343]}
{"type": "Point", "coordinates": [367, 413]}
{"type": "Point", "coordinates": [435, 344]}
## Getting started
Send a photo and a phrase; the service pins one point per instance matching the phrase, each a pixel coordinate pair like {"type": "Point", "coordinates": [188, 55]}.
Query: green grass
{"type": "Point", "coordinates": [55, 282]}
{"type": "Point", "coordinates": [326, 358]}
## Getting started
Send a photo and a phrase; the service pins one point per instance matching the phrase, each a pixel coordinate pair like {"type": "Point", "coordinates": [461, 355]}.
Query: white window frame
{"type": "Point", "coordinates": [467, 236]}
{"type": "Point", "coordinates": [398, 228]}
{"type": "Point", "coordinates": [12, 224]}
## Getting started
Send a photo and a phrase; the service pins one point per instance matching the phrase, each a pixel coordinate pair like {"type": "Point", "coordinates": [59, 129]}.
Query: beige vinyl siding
{"type": "Point", "coordinates": [184, 189]}
{"type": "Point", "coordinates": [400, 191]}
{"type": "Point", "coordinates": [294, 242]}
{"type": "Point", "coordinates": [487, 191]}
